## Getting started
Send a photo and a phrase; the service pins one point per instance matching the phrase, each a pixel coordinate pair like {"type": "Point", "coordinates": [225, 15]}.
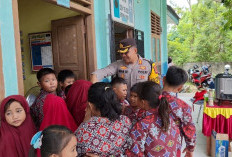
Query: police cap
{"type": "Point", "coordinates": [126, 44]}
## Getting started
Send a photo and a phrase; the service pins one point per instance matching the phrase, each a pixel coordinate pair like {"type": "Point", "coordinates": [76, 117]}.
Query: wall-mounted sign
{"type": "Point", "coordinates": [123, 11]}
{"type": "Point", "coordinates": [64, 3]}
{"type": "Point", "coordinates": [41, 50]}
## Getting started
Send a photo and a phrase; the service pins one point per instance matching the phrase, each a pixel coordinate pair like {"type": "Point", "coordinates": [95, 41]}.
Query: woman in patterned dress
{"type": "Point", "coordinates": [155, 134]}
{"type": "Point", "coordinates": [104, 131]}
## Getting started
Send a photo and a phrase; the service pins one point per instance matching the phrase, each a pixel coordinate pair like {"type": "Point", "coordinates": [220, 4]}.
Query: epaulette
{"type": "Point", "coordinates": [149, 61]}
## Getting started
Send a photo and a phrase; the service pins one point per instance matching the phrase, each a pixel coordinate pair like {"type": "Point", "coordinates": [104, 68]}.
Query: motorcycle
{"type": "Point", "coordinates": [203, 78]}
{"type": "Point", "coordinates": [193, 73]}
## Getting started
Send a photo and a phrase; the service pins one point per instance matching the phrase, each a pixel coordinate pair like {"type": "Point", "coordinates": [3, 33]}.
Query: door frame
{"type": "Point", "coordinates": [2, 90]}
{"type": "Point", "coordinates": [87, 9]}
{"type": "Point", "coordinates": [81, 6]}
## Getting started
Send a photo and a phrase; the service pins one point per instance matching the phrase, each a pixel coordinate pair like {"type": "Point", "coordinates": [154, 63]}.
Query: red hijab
{"type": "Point", "coordinates": [77, 98]}
{"type": "Point", "coordinates": [15, 141]}
{"type": "Point", "coordinates": [56, 113]}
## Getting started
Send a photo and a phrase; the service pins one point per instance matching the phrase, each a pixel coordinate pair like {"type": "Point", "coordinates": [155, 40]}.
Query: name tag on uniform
{"type": "Point", "coordinates": [123, 71]}
{"type": "Point", "coordinates": [142, 72]}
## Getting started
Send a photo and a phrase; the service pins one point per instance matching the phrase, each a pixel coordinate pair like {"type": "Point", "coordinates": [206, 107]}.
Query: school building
{"type": "Point", "coordinates": [81, 35]}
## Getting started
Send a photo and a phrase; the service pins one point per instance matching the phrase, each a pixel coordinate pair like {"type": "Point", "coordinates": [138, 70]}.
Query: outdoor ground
{"type": "Point", "coordinates": [200, 150]}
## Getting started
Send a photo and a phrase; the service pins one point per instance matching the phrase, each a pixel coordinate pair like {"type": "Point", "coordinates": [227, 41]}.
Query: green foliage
{"type": "Point", "coordinates": [228, 15]}
{"type": "Point", "coordinates": [200, 35]}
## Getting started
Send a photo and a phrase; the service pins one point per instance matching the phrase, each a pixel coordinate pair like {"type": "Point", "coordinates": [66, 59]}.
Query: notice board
{"type": "Point", "coordinates": [122, 11]}
{"type": "Point", "coordinates": [41, 50]}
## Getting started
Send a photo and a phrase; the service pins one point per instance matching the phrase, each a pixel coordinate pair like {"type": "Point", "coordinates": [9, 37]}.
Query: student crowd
{"type": "Point", "coordinates": [101, 119]}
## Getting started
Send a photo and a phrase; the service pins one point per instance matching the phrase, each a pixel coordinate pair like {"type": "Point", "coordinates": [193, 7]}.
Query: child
{"type": "Point", "coordinates": [104, 131]}
{"type": "Point", "coordinates": [17, 127]}
{"type": "Point", "coordinates": [48, 83]}
{"type": "Point", "coordinates": [132, 110]}
{"type": "Point", "coordinates": [65, 78]}
{"type": "Point", "coordinates": [55, 140]}
{"type": "Point", "coordinates": [156, 133]}
{"type": "Point", "coordinates": [120, 88]}
{"type": "Point", "coordinates": [180, 111]}
{"type": "Point", "coordinates": [66, 90]}
{"type": "Point", "coordinates": [56, 113]}
{"type": "Point", "coordinates": [77, 100]}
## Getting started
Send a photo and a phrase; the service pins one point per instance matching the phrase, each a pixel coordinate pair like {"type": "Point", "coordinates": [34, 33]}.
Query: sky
{"type": "Point", "coordinates": [181, 3]}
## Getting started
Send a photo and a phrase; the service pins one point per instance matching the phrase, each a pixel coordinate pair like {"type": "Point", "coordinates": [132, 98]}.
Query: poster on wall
{"type": "Point", "coordinates": [122, 11]}
{"type": "Point", "coordinates": [41, 50]}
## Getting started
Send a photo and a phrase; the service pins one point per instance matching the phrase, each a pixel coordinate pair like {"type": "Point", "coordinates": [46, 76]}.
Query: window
{"type": "Point", "coordinates": [139, 38]}
{"type": "Point", "coordinates": [155, 40]}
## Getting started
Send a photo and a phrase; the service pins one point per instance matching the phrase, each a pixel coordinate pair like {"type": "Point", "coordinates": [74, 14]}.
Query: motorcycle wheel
{"type": "Point", "coordinates": [205, 84]}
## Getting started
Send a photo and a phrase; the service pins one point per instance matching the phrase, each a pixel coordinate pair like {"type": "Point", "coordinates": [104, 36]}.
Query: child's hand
{"type": "Point", "coordinates": [187, 153]}
{"type": "Point", "coordinates": [123, 108]}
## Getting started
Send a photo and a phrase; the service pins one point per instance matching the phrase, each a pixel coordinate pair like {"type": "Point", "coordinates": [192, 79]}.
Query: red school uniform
{"type": "Point", "coordinates": [148, 138]}
{"type": "Point", "coordinates": [15, 141]}
{"type": "Point", "coordinates": [182, 115]}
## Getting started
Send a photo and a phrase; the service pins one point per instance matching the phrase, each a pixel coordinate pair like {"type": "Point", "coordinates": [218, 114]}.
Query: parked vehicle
{"type": "Point", "coordinates": [201, 78]}
{"type": "Point", "coordinates": [193, 72]}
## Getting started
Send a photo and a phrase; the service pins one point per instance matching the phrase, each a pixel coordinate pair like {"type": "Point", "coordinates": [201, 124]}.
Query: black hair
{"type": "Point", "coordinates": [105, 100]}
{"type": "Point", "coordinates": [169, 60]}
{"type": "Point", "coordinates": [176, 76]}
{"type": "Point", "coordinates": [44, 71]}
{"type": "Point", "coordinates": [54, 140]}
{"type": "Point", "coordinates": [67, 89]}
{"type": "Point", "coordinates": [150, 91]}
{"type": "Point", "coordinates": [134, 88]}
{"type": "Point", "coordinates": [64, 74]}
{"type": "Point", "coordinates": [117, 80]}
{"type": "Point", "coordinates": [7, 105]}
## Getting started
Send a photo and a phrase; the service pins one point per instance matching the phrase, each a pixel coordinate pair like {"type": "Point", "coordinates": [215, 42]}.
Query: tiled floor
{"type": "Point", "coordinates": [200, 150]}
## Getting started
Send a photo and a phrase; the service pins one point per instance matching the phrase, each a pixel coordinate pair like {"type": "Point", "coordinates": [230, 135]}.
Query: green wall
{"type": "Point", "coordinates": [143, 23]}
{"type": "Point", "coordinates": [164, 43]}
{"type": "Point", "coordinates": [36, 16]}
{"type": "Point", "coordinates": [160, 8]}
{"type": "Point", "coordinates": [102, 32]}
{"type": "Point", "coordinates": [8, 48]}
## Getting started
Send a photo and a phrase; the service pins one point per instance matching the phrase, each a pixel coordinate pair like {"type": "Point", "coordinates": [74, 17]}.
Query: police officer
{"type": "Point", "coordinates": [133, 68]}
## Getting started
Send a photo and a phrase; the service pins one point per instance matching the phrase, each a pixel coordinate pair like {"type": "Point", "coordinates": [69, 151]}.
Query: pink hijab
{"type": "Point", "coordinates": [15, 141]}
{"type": "Point", "coordinates": [77, 98]}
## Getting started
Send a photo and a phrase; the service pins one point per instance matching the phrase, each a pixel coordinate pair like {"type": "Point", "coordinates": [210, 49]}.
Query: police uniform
{"type": "Point", "coordinates": [132, 73]}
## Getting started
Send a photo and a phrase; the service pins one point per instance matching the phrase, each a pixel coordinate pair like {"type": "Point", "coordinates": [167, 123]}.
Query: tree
{"type": "Point", "coordinates": [200, 35]}
{"type": "Point", "coordinates": [228, 15]}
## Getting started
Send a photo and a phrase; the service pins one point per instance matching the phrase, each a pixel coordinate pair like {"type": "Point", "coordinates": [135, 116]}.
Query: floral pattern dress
{"type": "Point", "coordinates": [37, 108]}
{"type": "Point", "coordinates": [103, 137]}
{"type": "Point", "coordinates": [148, 138]}
{"type": "Point", "coordinates": [132, 114]}
{"type": "Point", "coordinates": [182, 115]}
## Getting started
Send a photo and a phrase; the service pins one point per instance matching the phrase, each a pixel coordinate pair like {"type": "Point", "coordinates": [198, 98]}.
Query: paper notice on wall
{"type": "Point", "coordinates": [123, 11]}
{"type": "Point", "coordinates": [46, 55]}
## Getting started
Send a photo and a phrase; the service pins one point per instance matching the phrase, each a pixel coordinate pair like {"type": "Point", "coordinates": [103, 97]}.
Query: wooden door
{"type": "Point", "coordinates": [68, 45]}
